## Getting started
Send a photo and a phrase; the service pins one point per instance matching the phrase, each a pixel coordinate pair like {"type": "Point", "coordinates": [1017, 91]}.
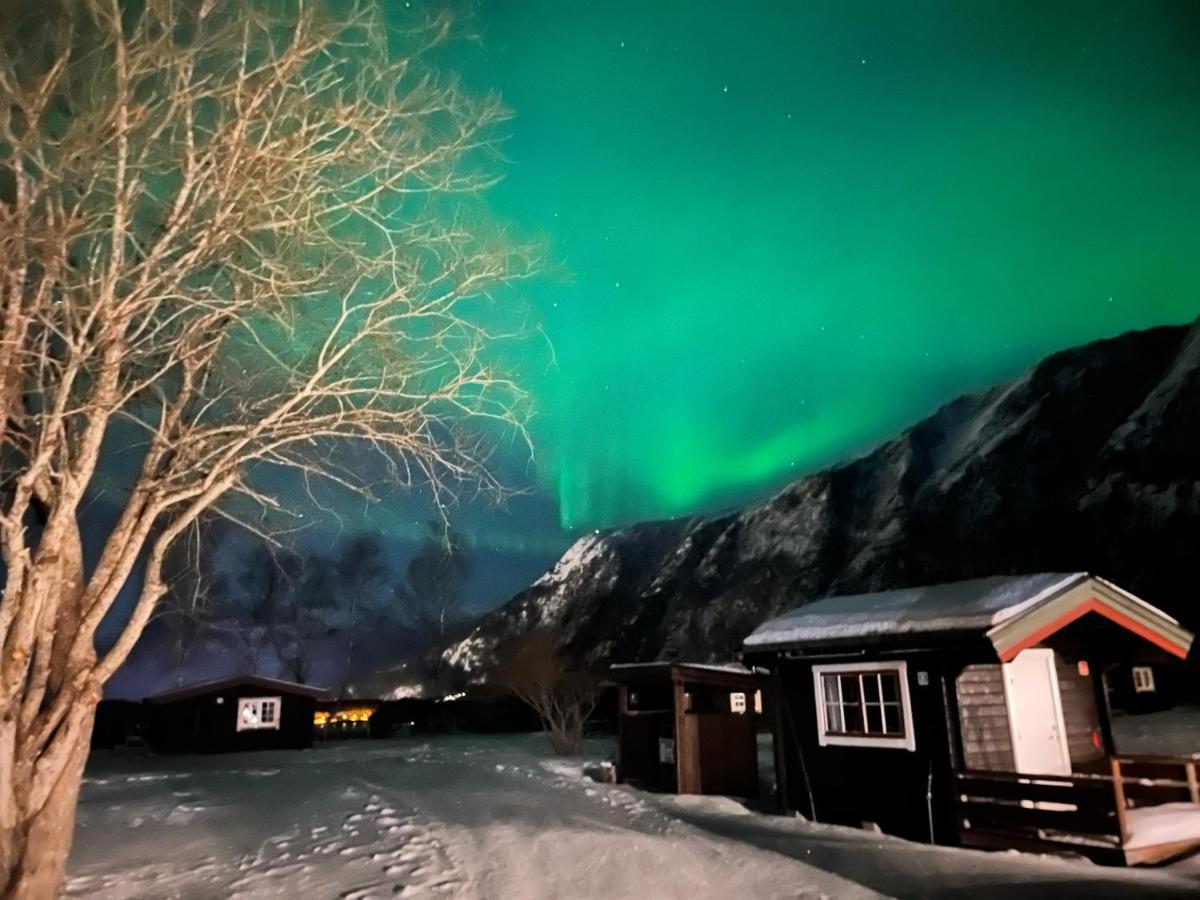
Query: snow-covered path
{"type": "Point", "coordinates": [491, 817]}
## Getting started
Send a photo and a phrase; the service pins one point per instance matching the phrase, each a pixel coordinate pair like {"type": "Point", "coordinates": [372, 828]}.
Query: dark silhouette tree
{"type": "Point", "coordinates": [362, 572]}
{"type": "Point", "coordinates": [431, 598]}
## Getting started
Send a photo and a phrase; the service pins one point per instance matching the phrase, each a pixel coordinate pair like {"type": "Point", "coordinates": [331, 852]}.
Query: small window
{"type": "Point", "coordinates": [863, 705]}
{"type": "Point", "coordinates": [258, 712]}
{"type": "Point", "coordinates": [1143, 680]}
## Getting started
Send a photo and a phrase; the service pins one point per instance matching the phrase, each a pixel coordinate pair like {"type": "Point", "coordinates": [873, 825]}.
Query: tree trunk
{"type": "Point", "coordinates": [37, 849]}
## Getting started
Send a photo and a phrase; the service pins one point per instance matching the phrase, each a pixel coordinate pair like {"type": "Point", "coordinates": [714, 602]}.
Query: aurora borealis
{"type": "Point", "coordinates": [784, 230]}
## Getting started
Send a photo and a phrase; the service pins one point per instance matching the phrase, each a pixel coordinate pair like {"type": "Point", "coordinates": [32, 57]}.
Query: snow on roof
{"type": "Point", "coordinates": [729, 668]}
{"type": "Point", "coordinates": [253, 681]}
{"type": "Point", "coordinates": [710, 673]}
{"type": "Point", "coordinates": [974, 605]}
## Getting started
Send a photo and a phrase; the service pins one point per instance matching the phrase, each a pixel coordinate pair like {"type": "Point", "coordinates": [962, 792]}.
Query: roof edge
{"type": "Point", "coordinates": [200, 687]}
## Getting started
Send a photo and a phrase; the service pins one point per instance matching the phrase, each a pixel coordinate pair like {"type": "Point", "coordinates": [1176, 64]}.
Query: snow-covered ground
{"type": "Point", "coordinates": [494, 817]}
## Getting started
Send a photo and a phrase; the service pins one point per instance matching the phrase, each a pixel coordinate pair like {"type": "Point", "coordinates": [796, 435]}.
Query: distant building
{"type": "Point", "coordinates": [246, 712]}
{"type": "Point", "coordinates": [976, 713]}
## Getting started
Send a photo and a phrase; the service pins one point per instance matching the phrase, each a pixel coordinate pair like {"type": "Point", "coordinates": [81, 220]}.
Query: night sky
{"type": "Point", "coordinates": [776, 233]}
{"type": "Point", "coordinates": [782, 231]}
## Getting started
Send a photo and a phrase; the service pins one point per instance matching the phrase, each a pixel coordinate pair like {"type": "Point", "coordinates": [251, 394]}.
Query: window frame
{"type": "Point", "coordinates": [257, 703]}
{"type": "Point", "coordinates": [905, 741]}
{"type": "Point", "coordinates": [1143, 680]}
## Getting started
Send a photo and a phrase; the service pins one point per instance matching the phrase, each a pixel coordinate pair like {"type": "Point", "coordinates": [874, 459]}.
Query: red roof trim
{"type": "Point", "coordinates": [1098, 606]}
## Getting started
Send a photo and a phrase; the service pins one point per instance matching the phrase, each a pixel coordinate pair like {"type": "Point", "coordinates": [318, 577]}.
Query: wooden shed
{"type": "Point", "coordinates": [976, 713]}
{"type": "Point", "coordinates": [246, 712]}
{"type": "Point", "coordinates": [689, 728]}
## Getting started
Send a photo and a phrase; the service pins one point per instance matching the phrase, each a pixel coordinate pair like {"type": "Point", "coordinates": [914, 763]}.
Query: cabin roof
{"type": "Point", "coordinates": [257, 682]}
{"type": "Point", "coordinates": [1013, 612]}
{"type": "Point", "coordinates": [714, 673]}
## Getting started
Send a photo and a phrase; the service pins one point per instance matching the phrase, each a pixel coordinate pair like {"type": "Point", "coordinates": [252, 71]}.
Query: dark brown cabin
{"type": "Point", "coordinates": [246, 712]}
{"type": "Point", "coordinates": [689, 728]}
{"type": "Point", "coordinates": [976, 713]}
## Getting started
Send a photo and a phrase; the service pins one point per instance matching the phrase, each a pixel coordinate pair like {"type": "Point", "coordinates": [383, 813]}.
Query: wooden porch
{"type": "Point", "coordinates": [1142, 810]}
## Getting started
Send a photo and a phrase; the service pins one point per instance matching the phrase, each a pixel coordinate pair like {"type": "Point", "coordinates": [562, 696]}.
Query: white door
{"type": "Point", "coordinates": [1035, 715]}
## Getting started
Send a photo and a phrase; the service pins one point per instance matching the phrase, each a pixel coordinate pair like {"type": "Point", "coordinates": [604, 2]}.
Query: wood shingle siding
{"type": "Point", "coordinates": [1078, 697]}
{"type": "Point", "coordinates": [986, 739]}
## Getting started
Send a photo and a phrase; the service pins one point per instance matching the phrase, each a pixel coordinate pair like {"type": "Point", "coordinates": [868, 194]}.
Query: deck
{"type": "Point", "coordinates": [1143, 810]}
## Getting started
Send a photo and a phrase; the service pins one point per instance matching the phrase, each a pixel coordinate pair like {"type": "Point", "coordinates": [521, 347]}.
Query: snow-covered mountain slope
{"type": "Point", "coordinates": [1089, 462]}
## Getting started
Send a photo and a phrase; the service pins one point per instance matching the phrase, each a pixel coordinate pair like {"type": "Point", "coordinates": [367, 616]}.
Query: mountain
{"type": "Point", "coordinates": [1089, 462]}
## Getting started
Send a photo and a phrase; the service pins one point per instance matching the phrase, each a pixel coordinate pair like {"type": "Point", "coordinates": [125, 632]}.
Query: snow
{"type": "Point", "coordinates": [469, 816]}
{"type": "Point", "coordinates": [408, 691]}
{"type": "Point", "coordinates": [1163, 824]}
{"type": "Point", "coordinates": [579, 556]}
{"type": "Point", "coordinates": [973, 605]}
{"type": "Point", "coordinates": [1171, 732]}
{"type": "Point", "coordinates": [543, 604]}
{"type": "Point", "coordinates": [725, 668]}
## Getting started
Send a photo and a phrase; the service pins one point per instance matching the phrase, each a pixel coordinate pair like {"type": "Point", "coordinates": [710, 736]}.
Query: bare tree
{"type": "Point", "coordinates": [431, 598]}
{"type": "Point", "coordinates": [186, 610]}
{"type": "Point", "coordinates": [305, 618]}
{"type": "Point", "coordinates": [229, 240]}
{"type": "Point", "coordinates": [533, 667]}
{"type": "Point", "coordinates": [251, 609]}
{"type": "Point", "coordinates": [361, 572]}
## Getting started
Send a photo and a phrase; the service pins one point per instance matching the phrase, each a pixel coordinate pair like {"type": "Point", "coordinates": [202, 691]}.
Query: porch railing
{"type": "Point", "coordinates": [1083, 812]}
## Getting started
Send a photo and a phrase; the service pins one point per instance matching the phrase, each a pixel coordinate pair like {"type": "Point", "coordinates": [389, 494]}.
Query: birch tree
{"type": "Point", "coordinates": [235, 236]}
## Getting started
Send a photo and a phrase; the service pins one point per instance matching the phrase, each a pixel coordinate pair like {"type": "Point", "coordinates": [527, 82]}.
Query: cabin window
{"type": "Point", "coordinates": [863, 705]}
{"type": "Point", "coordinates": [255, 713]}
{"type": "Point", "coordinates": [1143, 680]}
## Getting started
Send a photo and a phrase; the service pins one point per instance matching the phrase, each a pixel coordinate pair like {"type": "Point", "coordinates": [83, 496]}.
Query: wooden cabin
{"type": "Point", "coordinates": [688, 728]}
{"type": "Point", "coordinates": [975, 713]}
{"type": "Point", "coordinates": [246, 712]}
{"type": "Point", "coordinates": [1145, 685]}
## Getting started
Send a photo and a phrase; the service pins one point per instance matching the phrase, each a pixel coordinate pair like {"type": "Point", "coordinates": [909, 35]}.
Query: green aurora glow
{"type": "Point", "coordinates": [793, 228]}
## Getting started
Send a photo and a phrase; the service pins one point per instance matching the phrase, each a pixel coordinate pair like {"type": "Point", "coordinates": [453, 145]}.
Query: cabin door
{"type": "Point", "coordinates": [1035, 717]}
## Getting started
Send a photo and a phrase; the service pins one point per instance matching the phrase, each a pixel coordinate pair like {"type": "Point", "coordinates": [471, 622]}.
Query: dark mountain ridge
{"type": "Point", "coordinates": [1088, 462]}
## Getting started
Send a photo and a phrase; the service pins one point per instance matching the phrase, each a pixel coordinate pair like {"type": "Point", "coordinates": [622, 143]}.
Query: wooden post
{"type": "Point", "coordinates": [1100, 685]}
{"type": "Point", "coordinates": [682, 785]}
{"type": "Point", "coordinates": [622, 709]}
{"type": "Point", "coordinates": [1193, 783]}
{"type": "Point", "coordinates": [779, 739]}
{"type": "Point", "coordinates": [1119, 792]}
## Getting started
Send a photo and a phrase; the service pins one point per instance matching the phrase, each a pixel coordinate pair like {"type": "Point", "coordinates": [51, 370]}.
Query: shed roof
{"type": "Point", "coordinates": [257, 682]}
{"type": "Point", "coordinates": [1012, 611]}
{"type": "Point", "coordinates": [734, 674]}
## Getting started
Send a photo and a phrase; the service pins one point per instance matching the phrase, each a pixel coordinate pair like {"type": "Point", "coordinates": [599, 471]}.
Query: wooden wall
{"type": "Point", "coordinates": [718, 754]}
{"type": "Point", "coordinates": [1079, 712]}
{"type": "Point", "coordinates": [849, 785]}
{"type": "Point", "coordinates": [207, 723]}
{"type": "Point", "coordinates": [987, 741]}
{"type": "Point", "coordinates": [983, 715]}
